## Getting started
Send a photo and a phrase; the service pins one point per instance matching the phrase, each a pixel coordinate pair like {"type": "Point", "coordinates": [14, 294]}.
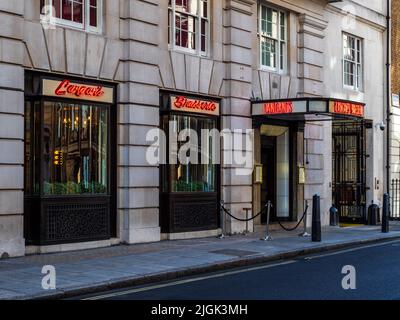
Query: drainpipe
{"type": "Point", "coordinates": [388, 93]}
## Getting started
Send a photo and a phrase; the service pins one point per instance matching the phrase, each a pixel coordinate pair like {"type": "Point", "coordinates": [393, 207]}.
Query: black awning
{"type": "Point", "coordinates": [308, 109]}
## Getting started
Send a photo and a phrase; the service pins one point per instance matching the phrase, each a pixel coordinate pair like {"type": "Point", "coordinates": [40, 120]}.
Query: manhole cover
{"type": "Point", "coordinates": [235, 253]}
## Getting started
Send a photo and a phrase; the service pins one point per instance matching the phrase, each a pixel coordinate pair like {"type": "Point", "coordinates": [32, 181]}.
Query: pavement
{"type": "Point", "coordinates": [99, 270]}
{"type": "Point", "coordinates": [374, 267]}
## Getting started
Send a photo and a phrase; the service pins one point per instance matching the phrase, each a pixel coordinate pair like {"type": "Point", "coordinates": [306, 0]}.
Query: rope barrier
{"type": "Point", "coordinates": [242, 220]}
{"type": "Point", "coordinates": [298, 224]}
{"type": "Point", "coordinates": [261, 212]}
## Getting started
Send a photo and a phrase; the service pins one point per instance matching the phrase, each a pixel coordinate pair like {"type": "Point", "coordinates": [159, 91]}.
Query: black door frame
{"type": "Point", "coordinates": [294, 128]}
{"type": "Point", "coordinates": [202, 204]}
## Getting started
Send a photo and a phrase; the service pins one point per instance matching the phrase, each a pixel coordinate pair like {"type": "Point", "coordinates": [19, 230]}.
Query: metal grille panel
{"type": "Point", "coordinates": [395, 200]}
{"type": "Point", "coordinates": [349, 170]}
{"type": "Point", "coordinates": [77, 222]}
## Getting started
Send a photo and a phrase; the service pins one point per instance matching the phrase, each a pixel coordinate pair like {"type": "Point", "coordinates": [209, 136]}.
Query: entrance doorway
{"type": "Point", "coordinates": [275, 159]}
{"type": "Point", "coordinates": [268, 160]}
{"type": "Point", "coordinates": [349, 170]}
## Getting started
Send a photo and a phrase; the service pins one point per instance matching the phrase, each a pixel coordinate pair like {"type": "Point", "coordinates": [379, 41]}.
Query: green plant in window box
{"type": "Point", "coordinates": [183, 186]}
{"type": "Point", "coordinates": [73, 188]}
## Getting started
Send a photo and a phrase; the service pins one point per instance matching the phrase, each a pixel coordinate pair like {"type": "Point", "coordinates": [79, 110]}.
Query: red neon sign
{"type": "Point", "coordinates": [181, 102]}
{"type": "Point", "coordinates": [348, 108]}
{"type": "Point", "coordinates": [66, 87]}
{"type": "Point", "coordinates": [278, 107]}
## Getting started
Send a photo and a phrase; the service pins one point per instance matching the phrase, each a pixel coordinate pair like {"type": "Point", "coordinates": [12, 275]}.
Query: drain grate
{"type": "Point", "coordinates": [234, 252]}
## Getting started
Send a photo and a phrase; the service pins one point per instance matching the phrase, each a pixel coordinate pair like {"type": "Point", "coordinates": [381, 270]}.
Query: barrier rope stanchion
{"type": "Point", "coordinates": [267, 236]}
{"type": "Point", "coordinates": [305, 234]}
{"type": "Point", "coordinates": [298, 224]}
{"type": "Point", "coordinates": [222, 217]}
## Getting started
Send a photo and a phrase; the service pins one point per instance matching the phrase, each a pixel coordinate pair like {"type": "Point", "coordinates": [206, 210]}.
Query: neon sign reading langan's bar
{"type": "Point", "coordinates": [66, 87]}
{"type": "Point", "coordinates": [72, 90]}
{"type": "Point", "coordinates": [183, 103]}
{"type": "Point", "coordinates": [347, 108]}
{"type": "Point", "coordinates": [278, 107]}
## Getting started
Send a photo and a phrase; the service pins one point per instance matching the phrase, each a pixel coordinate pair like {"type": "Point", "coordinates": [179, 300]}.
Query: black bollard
{"type": "Point", "coordinates": [373, 214]}
{"type": "Point", "coordinates": [385, 214]}
{"type": "Point", "coordinates": [334, 217]}
{"type": "Point", "coordinates": [316, 219]}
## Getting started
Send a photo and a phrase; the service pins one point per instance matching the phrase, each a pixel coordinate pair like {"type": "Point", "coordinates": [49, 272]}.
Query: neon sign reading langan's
{"type": "Point", "coordinates": [182, 103]}
{"type": "Point", "coordinates": [278, 107]}
{"type": "Point", "coordinates": [66, 87]}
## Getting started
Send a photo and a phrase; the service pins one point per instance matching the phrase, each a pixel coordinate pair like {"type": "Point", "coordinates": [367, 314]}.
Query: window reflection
{"type": "Point", "coordinates": [75, 150]}
{"type": "Point", "coordinates": [191, 177]}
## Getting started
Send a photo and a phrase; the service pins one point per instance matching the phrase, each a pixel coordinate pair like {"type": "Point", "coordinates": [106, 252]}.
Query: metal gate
{"type": "Point", "coordinates": [395, 200]}
{"type": "Point", "coordinates": [349, 170]}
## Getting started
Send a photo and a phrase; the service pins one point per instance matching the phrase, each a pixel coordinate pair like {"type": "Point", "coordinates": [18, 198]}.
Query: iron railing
{"type": "Point", "coordinates": [395, 200]}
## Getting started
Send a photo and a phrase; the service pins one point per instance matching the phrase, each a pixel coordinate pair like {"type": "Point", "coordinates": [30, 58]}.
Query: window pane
{"type": "Point", "coordinates": [93, 17]}
{"type": "Point", "coordinates": [349, 73]}
{"type": "Point", "coordinates": [67, 9]}
{"type": "Point", "coordinates": [204, 9]}
{"type": "Point", "coordinates": [283, 26]}
{"type": "Point", "coordinates": [268, 49]}
{"type": "Point", "coordinates": [169, 26]}
{"type": "Point", "coordinates": [193, 177]}
{"type": "Point", "coordinates": [274, 25]}
{"type": "Point", "coordinates": [93, 10]}
{"type": "Point", "coordinates": [78, 11]}
{"type": "Point", "coordinates": [359, 77]}
{"type": "Point", "coordinates": [204, 31]}
{"type": "Point", "coordinates": [57, 7]}
{"type": "Point", "coordinates": [75, 149]}
{"type": "Point", "coordinates": [263, 19]}
{"type": "Point", "coordinates": [28, 147]}
{"type": "Point", "coordinates": [185, 31]}
{"type": "Point", "coordinates": [282, 51]}
{"type": "Point", "coordinates": [187, 6]}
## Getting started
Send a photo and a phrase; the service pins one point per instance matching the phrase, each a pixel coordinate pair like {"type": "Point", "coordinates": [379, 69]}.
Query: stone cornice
{"type": "Point", "coordinates": [242, 6]}
{"type": "Point", "coordinates": [378, 26]}
{"type": "Point", "coordinates": [313, 22]}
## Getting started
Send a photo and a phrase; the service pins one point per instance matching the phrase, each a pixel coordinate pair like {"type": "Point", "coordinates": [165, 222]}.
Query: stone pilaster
{"type": "Point", "coordinates": [317, 135]}
{"type": "Point", "coordinates": [236, 111]}
{"type": "Point", "coordinates": [11, 129]}
{"type": "Point", "coordinates": [138, 182]}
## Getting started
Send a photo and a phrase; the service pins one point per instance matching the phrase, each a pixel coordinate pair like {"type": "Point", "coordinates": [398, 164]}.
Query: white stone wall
{"type": "Point", "coordinates": [26, 45]}
{"type": "Point", "coordinates": [11, 128]}
{"type": "Point", "coordinates": [369, 25]}
{"type": "Point", "coordinates": [133, 51]}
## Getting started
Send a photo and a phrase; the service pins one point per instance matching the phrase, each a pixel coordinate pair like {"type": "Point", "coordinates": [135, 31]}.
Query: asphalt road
{"type": "Point", "coordinates": [377, 270]}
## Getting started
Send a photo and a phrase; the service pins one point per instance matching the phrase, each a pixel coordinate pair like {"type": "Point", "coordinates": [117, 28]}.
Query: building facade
{"type": "Point", "coordinates": [395, 112]}
{"type": "Point", "coordinates": [84, 84]}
